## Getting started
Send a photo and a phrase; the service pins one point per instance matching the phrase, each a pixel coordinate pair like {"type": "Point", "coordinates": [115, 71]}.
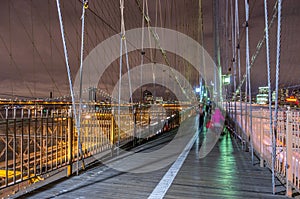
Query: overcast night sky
{"type": "Point", "coordinates": [31, 52]}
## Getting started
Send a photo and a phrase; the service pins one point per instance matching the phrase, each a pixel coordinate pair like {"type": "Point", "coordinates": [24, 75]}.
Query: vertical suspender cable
{"type": "Point", "coordinates": [237, 28]}
{"type": "Point", "coordinates": [79, 147]}
{"type": "Point", "coordinates": [149, 36]}
{"type": "Point", "coordinates": [10, 47]}
{"type": "Point", "coordinates": [156, 39]}
{"type": "Point", "coordinates": [153, 65]}
{"type": "Point", "coordinates": [68, 67]}
{"type": "Point", "coordinates": [274, 137]}
{"type": "Point", "coordinates": [216, 46]}
{"type": "Point", "coordinates": [119, 97]}
{"type": "Point", "coordinates": [227, 88]}
{"type": "Point", "coordinates": [258, 47]}
{"type": "Point", "coordinates": [128, 69]}
{"type": "Point", "coordinates": [154, 34]}
{"type": "Point", "coordinates": [200, 36]}
{"type": "Point", "coordinates": [142, 48]}
{"type": "Point", "coordinates": [233, 43]}
{"type": "Point", "coordinates": [33, 51]}
{"type": "Point", "coordinates": [122, 39]}
{"type": "Point", "coordinates": [246, 83]}
{"type": "Point", "coordinates": [226, 56]}
{"type": "Point", "coordinates": [249, 78]}
{"type": "Point", "coordinates": [269, 85]}
{"type": "Point", "coordinates": [201, 40]}
{"type": "Point", "coordinates": [120, 77]}
{"type": "Point", "coordinates": [142, 61]}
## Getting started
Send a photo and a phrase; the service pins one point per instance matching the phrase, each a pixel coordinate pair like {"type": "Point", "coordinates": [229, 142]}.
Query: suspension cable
{"type": "Point", "coordinates": [120, 80]}
{"type": "Point", "coordinates": [249, 77]}
{"type": "Point", "coordinates": [246, 78]}
{"type": "Point", "coordinates": [35, 47]}
{"type": "Point", "coordinates": [79, 145]}
{"type": "Point", "coordinates": [163, 52]}
{"type": "Point", "coordinates": [269, 85]}
{"type": "Point", "coordinates": [238, 54]}
{"type": "Point", "coordinates": [142, 48]}
{"type": "Point", "coordinates": [258, 48]}
{"type": "Point", "coordinates": [122, 39]}
{"type": "Point", "coordinates": [274, 137]}
{"type": "Point", "coordinates": [234, 58]}
{"type": "Point", "coordinates": [13, 62]}
{"type": "Point", "coordinates": [68, 70]}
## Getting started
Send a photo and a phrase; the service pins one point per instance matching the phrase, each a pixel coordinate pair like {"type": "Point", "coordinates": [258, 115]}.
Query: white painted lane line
{"type": "Point", "coordinates": [165, 183]}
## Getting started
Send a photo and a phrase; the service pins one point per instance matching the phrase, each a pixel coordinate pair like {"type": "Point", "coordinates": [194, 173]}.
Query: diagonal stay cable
{"type": "Point", "coordinates": [163, 52]}
{"type": "Point", "coordinates": [35, 47]}
{"type": "Point", "coordinates": [16, 65]}
{"type": "Point", "coordinates": [113, 29]}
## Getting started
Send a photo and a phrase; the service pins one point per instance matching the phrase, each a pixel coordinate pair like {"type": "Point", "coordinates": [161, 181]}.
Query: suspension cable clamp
{"type": "Point", "coordinates": [86, 4]}
{"type": "Point", "coordinates": [147, 18]}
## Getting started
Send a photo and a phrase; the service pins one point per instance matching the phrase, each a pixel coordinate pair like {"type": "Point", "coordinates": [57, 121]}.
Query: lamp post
{"type": "Point", "coordinates": [226, 79]}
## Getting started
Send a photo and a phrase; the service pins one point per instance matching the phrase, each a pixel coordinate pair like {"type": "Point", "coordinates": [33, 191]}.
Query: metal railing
{"type": "Point", "coordinates": [287, 162]}
{"type": "Point", "coordinates": [35, 142]}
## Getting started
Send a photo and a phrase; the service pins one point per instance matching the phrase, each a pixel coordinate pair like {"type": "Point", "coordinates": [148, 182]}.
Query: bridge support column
{"type": "Point", "coordinates": [289, 153]}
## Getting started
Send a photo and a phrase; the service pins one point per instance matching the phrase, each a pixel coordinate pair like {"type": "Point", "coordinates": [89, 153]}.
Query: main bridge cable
{"type": "Point", "coordinates": [69, 73]}
{"type": "Point", "coordinates": [258, 48]}
{"type": "Point", "coordinates": [163, 52]}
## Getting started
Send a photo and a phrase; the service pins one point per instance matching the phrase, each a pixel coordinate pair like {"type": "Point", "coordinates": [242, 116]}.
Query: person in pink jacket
{"type": "Point", "coordinates": [217, 117]}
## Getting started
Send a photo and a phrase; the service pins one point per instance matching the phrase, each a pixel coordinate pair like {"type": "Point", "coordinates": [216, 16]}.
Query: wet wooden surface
{"type": "Point", "coordinates": [226, 172]}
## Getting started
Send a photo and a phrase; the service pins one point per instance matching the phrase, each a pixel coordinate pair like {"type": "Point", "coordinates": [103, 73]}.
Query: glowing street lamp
{"type": "Point", "coordinates": [226, 79]}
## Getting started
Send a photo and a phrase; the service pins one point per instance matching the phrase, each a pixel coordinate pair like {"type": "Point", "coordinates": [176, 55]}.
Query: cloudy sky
{"type": "Point", "coordinates": [31, 52]}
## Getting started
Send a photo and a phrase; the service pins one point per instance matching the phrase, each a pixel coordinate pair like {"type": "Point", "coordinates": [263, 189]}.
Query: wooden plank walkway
{"type": "Point", "coordinates": [225, 173]}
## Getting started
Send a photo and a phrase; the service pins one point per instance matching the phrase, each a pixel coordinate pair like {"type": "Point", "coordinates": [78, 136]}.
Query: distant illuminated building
{"type": "Point", "coordinates": [263, 95]}
{"type": "Point", "coordinates": [92, 94]}
{"type": "Point", "coordinates": [148, 97]}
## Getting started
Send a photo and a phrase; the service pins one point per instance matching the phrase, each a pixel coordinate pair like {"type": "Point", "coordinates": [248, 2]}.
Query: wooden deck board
{"type": "Point", "coordinates": [226, 172]}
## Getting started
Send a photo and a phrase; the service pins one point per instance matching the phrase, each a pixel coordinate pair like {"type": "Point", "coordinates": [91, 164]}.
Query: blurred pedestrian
{"type": "Point", "coordinates": [217, 117]}
{"type": "Point", "coordinates": [201, 115]}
